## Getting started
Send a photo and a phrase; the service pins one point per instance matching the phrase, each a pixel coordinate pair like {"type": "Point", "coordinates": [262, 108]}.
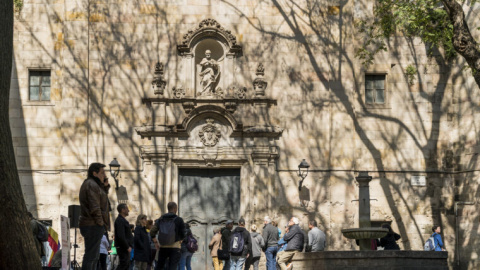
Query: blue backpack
{"type": "Point", "coordinates": [236, 242]}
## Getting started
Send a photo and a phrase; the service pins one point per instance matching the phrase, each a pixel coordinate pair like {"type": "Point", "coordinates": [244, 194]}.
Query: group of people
{"type": "Point", "coordinates": [231, 249]}
{"type": "Point", "coordinates": [169, 242]}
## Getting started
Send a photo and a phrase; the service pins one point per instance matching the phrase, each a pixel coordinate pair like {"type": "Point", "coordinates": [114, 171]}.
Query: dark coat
{"type": "Point", "coordinates": [389, 242]}
{"type": "Point", "coordinates": [123, 234]}
{"type": "Point", "coordinates": [295, 238]}
{"type": "Point", "coordinates": [226, 233]}
{"type": "Point", "coordinates": [94, 204]}
{"type": "Point", "coordinates": [247, 242]}
{"type": "Point", "coordinates": [183, 247]}
{"type": "Point", "coordinates": [141, 244]}
{"type": "Point", "coordinates": [270, 235]}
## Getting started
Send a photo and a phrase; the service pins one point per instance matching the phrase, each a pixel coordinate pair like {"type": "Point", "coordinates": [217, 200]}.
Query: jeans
{"type": "Point", "coordinates": [252, 261]}
{"type": "Point", "coordinates": [173, 255]}
{"type": "Point", "coordinates": [271, 254]}
{"type": "Point", "coordinates": [226, 265]}
{"type": "Point", "coordinates": [236, 262]}
{"type": "Point", "coordinates": [93, 236]}
{"type": "Point", "coordinates": [185, 259]}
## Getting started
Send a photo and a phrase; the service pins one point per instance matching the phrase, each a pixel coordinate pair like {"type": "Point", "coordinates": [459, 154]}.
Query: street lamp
{"type": "Point", "coordinates": [302, 172]}
{"type": "Point", "coordinates": [114, 170]}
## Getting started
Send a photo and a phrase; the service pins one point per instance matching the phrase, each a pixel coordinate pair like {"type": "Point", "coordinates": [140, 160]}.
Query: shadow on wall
{"type": "Point", "coordinates": [104, 68]}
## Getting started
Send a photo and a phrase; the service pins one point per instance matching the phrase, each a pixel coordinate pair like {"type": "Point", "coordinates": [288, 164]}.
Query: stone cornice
{"type": "Point", "coordinates": [149, 131]}
{"type": "Point", "coordinates": [199, 102]}
{"type": "Point", "coordinates": [225, 156]}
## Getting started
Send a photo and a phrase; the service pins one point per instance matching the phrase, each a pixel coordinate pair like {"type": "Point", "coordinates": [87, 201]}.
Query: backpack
{"type": "Point", "coordinates": [429, 244]}
{"type": "Point", "coordinates": [42, 232]}
{"type": "Point", "coordinates": [236, 242]}
{"type": "Point", "coordinates": [166, 231]}
{"type": "Point", "coordinates": [192, 244]}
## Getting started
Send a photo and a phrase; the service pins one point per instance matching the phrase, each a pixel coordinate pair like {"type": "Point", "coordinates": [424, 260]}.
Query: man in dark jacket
{"type": "Point", "coordinates": [239, 255]}
{"type": "Point", "coordinates": [123, 237]}
{"type": "Point", "coordinates": [166, 249]}
{"type": "Point", "coordinates": [294, 237]}
{"type": "Point", "coordinates": [270, 237]}
{"type": "Point", "coordinates": [226, 232]}
{"type": "Point", "coordinates": [93, 220]}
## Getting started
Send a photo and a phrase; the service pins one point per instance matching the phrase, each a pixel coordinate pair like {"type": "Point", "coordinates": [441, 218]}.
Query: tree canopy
{"type": "Point", "coordinates": [439, 24]}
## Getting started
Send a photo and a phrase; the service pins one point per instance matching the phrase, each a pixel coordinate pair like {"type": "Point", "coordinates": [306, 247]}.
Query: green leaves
{"type": "Point", "coordinates": [426, 19]}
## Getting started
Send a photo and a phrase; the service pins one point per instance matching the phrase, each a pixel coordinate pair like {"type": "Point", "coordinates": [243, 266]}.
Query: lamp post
{"type": "Point", "coordinates": [114, 170]}
{"type": "Point", "coordinates": [302, 172]}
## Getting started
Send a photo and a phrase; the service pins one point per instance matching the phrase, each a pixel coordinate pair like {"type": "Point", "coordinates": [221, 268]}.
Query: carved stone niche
{"type": "Point", "coordinates": [208, 54]}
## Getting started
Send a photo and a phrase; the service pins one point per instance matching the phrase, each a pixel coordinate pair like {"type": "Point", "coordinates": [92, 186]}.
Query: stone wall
{"type": "Point", "coordinates": [102, 56]}
{"type": "Point", "coordinates": [397, 260]}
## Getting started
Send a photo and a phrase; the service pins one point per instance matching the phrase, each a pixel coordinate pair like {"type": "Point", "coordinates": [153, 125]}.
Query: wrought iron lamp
{"type": "Point", "coordinates": [114, 170]}
{"type": "Point", "coordinates": [302, 172]}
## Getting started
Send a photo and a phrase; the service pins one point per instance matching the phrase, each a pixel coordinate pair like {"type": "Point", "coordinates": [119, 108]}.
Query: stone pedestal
{"type": "Point", "coordinates": [363, 180]}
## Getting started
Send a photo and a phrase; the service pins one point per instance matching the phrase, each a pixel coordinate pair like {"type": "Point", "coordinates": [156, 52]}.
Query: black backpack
{"type": "Point", "coordinates": [42, 232]}
{"type": "Point", "coordinates": [166, 231]}
{"type": "Point", "coordinates": [236, 242]}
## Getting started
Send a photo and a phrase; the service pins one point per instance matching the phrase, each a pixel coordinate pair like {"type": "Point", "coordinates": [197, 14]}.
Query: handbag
{"type": "Point", "coordinates": [222, 254]}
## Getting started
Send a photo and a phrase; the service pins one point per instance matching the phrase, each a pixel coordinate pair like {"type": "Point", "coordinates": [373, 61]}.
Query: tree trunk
{"type": "Point", "coordinates": [17, 247]}
{"type": "Point", "coordinates": [463, 41]}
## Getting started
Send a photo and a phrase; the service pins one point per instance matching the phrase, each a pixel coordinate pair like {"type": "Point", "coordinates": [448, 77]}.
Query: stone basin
{"type": "Point", "coordinates": [365, 233]}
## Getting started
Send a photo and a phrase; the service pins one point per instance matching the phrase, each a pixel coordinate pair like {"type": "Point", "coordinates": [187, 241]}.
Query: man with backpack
{"type": "Point", "coordinates": [240, 246]}
{"type": "Point", "coordinates": [168, 234]}
{"type": "Point", "coordinates": [40, 234]}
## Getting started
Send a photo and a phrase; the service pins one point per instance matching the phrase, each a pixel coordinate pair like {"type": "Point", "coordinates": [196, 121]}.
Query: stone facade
{"type": "Point", "coordinates": [126, 83]}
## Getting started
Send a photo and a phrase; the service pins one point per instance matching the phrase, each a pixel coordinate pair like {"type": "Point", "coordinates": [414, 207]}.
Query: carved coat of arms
{"type": "Point", "coordinates": [210, 135]}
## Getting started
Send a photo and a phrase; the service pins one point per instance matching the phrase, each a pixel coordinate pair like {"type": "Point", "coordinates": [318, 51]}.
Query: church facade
{"type": "Point", "coordinates": [213, 104]}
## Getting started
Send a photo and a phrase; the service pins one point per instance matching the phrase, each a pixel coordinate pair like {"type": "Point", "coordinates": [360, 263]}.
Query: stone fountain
{"type": "Point", "coordinates": [365, 233]}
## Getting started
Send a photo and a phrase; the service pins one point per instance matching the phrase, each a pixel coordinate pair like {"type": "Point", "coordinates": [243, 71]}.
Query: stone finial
{"type": "Point", "coordinates": [260, 70]}
{"type": "Point", "coordinates": [159, 82]}
{"type": "Point", "coordinates": [260, 84]}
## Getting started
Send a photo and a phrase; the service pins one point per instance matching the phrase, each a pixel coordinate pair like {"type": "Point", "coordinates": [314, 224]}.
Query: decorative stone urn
{"type": "Point", "coordinates": [365, 233]}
